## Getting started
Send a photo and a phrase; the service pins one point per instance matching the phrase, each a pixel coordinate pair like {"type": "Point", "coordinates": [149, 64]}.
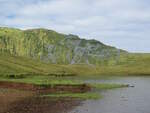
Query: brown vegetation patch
{"type": "Point", "coordinates": [46, 89]}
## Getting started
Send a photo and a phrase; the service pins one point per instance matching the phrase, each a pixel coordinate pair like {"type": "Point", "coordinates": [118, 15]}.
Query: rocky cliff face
{"type": "Point", "coordinates": [50, 46]}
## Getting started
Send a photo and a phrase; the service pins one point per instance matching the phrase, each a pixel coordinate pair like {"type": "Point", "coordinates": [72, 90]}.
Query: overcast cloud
{"type": "Point", "coordinates": [121, 23]}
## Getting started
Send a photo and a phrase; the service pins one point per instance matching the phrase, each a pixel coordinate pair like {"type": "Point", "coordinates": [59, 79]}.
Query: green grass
{"type": "Point", "coordinates": [88, 95]}
{"type": "Point", "coordinates": [14, 65]}
{"type": "Point", "coordinates": [50, 80]}
{"type": "Point", "coordinates": [74, 95]}
{"type": "Point", "coordinates": [131, 64]}
{"type": "Point", "coordinates": [104, 86]}
{"type": "Point", "coordinates": [43, 80]}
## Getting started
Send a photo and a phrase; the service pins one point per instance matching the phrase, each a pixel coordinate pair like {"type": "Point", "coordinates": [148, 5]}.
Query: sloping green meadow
{"type": "Point", "coordinates": [131, 64]}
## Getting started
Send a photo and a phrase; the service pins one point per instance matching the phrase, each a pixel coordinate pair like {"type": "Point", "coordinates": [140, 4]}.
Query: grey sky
{"type": "Point", "coordinates": [121, 23]}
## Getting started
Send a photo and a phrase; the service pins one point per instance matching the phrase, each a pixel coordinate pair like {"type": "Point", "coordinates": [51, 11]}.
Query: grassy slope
{"type": "Point", "coordinates": [21, 65]}
{"type": "Point", "coordinates": [128, 64]}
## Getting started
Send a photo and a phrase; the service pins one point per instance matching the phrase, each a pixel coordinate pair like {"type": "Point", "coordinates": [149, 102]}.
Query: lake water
{"type": "Point", "coordinates": [123, 100]}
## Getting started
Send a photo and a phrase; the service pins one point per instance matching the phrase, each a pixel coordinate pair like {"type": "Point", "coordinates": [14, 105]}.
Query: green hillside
{"type": "Point", "coordinates": [46, 52]}
{"type": "Point", "coordinates": [52, 47]}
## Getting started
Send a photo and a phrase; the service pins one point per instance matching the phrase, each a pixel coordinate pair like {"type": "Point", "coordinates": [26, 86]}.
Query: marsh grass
{"type": "Point", "coordinates": [43, 80]}
{"type": "Point", "coordinates": [74, 95]}
{"type": "Point", "coordinates": [87, 95]}
{"type": "Point", "coordinates": [104, 86]}
{"type": "Point", "coordinates": [50, 81]}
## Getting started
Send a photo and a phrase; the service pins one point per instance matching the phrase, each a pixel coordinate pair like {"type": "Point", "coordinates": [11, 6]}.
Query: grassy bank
{"type": "Point", "coordinates": [88, 95]}
{"type": "Point", "coordinates": [104, 86]}
{"type": "Point", "coordinates": [49, 81]}
{"type": "Point", "coordinates": [43, 80]}
{"type": "Point", "coordinates": [74, 95]}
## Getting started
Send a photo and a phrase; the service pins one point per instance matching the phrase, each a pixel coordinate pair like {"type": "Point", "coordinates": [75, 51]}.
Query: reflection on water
{"type": "Point", "coordinates": [123, 100]}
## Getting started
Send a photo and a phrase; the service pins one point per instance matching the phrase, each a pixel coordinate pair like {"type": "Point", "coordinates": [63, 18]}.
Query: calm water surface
{"type": "Point", "coordinates": [122, 100]}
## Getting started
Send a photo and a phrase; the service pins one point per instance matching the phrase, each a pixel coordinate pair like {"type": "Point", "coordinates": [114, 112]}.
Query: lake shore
{"type": "Point", "coordinates": [44, 94]}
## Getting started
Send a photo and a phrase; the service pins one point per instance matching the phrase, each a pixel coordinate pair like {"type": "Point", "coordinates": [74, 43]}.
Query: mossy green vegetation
{"type": "Point", "coordinates": [43, 80]}
{"type": "Point", "coordinates": [104, 86]}
{"type": "Point", "coordinates": [51, 81]}
{"type": "Point", "coordinates": [88, 95]}
{"type": "Point", "coordinates": [74, 95]}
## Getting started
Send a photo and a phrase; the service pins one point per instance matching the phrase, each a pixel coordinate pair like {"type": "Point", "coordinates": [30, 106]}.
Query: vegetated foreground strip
{"type": "Point", "coordinates": [104, 86]}
{"type": "Point", "coordinates": [78, 90]}
{"type": "Point", "coordinates": [44, 88]}
{"type": "Point", "coordinates": [52, 84]}
{"type": "Point", "coordinates": [45, 84]}
{"type": "Point", "coordinates": [42, 80]}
